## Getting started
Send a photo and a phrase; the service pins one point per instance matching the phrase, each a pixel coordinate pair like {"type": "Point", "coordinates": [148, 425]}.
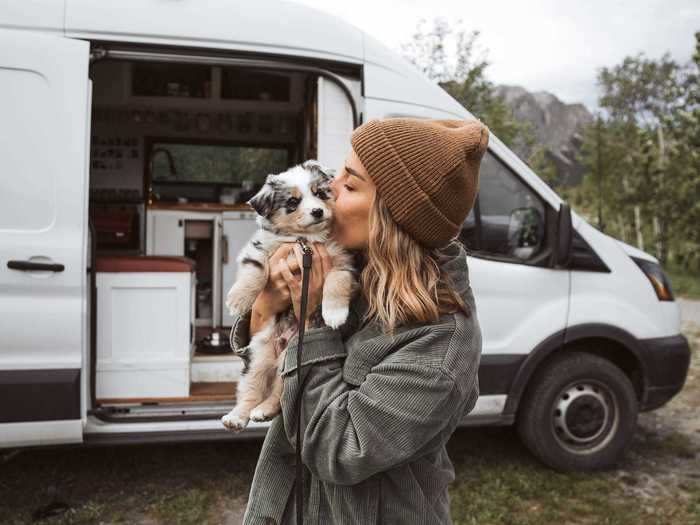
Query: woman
{"type": "Point", "coordinates": [383, 393]}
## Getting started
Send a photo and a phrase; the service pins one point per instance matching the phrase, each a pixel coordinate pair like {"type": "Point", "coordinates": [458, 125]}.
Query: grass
{"type": "Point", "coordinates": [189, 507]}
{"type": "Point", "coordinates": [498, 482]}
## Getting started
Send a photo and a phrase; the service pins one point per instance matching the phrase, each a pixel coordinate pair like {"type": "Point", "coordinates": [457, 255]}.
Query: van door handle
{"type": "Point", "coordinates": [28, 266]}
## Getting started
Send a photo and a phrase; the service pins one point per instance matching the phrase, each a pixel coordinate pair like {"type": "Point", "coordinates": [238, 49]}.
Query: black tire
{"type": "Point", "coordinates": [579, 413]}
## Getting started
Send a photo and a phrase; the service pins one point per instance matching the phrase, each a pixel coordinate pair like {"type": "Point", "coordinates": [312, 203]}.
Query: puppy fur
{"type": "Point", "coordinates": [295, 203]}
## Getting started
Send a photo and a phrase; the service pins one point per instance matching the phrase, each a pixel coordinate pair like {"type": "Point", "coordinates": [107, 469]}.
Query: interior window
{"type": "Point", "coordinates": [508, 219]}
{"type": "Point", "coordinates": [216, 163]}
{"type": "Point", "coordinates": [202, 172]}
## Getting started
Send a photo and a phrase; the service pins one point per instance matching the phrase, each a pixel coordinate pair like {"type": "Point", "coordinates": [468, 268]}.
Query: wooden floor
{"type": "Point", "coordinates": [198, 392]}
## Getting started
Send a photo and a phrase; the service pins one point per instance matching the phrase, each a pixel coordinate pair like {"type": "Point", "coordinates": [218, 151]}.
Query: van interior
{"type": "Point", "coordinates": [176, 151]}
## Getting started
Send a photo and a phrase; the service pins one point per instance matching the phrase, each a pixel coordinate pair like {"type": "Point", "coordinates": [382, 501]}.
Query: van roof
{"type": "Point", "coordinates": [275, 27]}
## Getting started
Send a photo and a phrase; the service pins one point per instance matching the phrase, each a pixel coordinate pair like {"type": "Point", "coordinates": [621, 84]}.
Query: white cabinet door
{"type": "Point", "coordinates": [166, 233]}
{"type": "Point", "coordinates": [239, 227]}
{"type": "Point", "coordinates": [44, 137]}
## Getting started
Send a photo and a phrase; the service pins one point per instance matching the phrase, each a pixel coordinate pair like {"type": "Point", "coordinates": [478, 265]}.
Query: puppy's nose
{"type": "Point", "coordinates": [317, 213]}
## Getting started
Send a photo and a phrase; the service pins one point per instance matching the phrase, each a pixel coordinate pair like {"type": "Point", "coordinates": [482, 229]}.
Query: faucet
{"type": "Point", "coordinates": [171, 165]}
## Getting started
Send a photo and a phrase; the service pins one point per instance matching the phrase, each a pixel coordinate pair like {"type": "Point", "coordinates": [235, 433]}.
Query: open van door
{"type": "Point", "coordinates": [44, 126]}
{"type": "Point", "coordinates": [335, 122]}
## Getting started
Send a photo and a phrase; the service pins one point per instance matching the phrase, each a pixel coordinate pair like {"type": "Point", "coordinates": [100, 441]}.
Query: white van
{"type": "Point", "coordinates": [130, 135]}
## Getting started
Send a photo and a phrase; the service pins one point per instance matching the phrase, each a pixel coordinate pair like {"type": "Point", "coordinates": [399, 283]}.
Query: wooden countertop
{"type": "Point", "coordinates": [198, 206]}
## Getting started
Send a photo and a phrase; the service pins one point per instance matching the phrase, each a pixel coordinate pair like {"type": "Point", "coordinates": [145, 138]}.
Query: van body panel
{"type": "Point", "coordinates": [623, 295]}
{"type": "Point", "coordinates": [385, 70]}
{"type": "Point", "coordinates": [43, 101]}
{"type": "Point", "coordinates": [273, 27]}
{"type": "Point", "coordinates": [671, 316]}
{"type": "Point", "coordinates": [38, 433]}
{"type": "Point", "coordinates": [41, 15]}
{"type": "Point", "coordinates": [380, 108]}
{"type": "Point", "coordinates": [511, 322]}
{"type": "Point", "coordinates": [633, 251]}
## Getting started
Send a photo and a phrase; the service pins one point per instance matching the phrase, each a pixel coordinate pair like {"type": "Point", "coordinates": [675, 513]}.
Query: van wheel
{"type": "Point", "coordinates": [579, 413]}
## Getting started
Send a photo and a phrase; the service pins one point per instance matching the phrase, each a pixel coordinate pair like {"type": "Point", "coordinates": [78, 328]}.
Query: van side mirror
{"type": "Point", "coordinates": [525, 232]}
{"type": "Point", "coordinates": [564, 236]}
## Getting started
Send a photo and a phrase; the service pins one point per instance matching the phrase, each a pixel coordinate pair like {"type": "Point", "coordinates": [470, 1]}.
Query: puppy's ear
{"type": "Point", "coordinates": [319, 169]}
{"type": "Point", "coordinates": [263, 201]}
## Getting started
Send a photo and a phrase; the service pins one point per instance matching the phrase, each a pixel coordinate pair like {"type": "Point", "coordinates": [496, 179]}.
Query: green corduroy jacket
{"type": "Point", "coordinates": [377, 413]}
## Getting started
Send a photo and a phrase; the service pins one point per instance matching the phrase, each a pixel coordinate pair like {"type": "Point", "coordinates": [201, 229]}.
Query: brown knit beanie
{"type": "Point", "coordinates": [427, 171]}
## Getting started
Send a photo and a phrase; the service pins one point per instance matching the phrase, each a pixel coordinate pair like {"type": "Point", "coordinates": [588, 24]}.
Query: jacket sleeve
{"type": "Point", "coordinates": [239, 337]}
{"type": "Point", "coordinates": [352, 432]}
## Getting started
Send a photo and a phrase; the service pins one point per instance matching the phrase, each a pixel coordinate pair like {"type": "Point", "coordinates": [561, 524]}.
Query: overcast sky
{"type": "Point", "coordinates": [549, 45]}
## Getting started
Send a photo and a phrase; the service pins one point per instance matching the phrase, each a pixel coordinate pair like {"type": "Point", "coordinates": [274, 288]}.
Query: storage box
{"type": "Point", "coordinates": [145, 318]}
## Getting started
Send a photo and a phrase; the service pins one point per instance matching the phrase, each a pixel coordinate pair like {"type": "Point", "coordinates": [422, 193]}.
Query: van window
{"type": "Point", "coordinates": [508, 218]}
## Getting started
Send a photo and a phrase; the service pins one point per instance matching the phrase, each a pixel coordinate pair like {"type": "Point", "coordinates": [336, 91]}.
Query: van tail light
{"type": "Point", "coordinates": [657, 278]}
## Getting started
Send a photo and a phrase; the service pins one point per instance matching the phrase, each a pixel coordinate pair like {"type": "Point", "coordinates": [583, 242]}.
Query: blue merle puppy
{"type": "Point", "coordinates": [292, 204]}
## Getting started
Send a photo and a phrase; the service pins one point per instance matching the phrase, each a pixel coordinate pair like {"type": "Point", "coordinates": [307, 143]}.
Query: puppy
{"type": "Point", "coordinates": [295, 203]}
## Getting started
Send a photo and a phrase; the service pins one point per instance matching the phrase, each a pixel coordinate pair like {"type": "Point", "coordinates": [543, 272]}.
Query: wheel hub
{"type": "Point", "coordinates": [583, 415]}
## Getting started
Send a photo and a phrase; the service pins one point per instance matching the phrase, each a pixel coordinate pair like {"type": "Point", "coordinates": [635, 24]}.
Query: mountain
{"type": "Point", "coordinates": [556, 124]}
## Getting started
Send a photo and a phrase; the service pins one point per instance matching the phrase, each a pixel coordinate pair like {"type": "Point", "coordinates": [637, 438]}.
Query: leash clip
{"type": "Point", "coordinates": [308, 252]}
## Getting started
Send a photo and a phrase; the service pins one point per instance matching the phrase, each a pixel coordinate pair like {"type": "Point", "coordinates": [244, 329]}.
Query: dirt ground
{"type": "Point", "coordinates": [497, 480]}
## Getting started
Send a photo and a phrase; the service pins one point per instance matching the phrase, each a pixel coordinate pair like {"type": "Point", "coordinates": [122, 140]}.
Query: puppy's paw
{"type": "Point", "coordinates": [263, 413]}
{"type": "Point", "coordinates": [234, 421]}
{"type": "Point", "coordinates": [334, 316]}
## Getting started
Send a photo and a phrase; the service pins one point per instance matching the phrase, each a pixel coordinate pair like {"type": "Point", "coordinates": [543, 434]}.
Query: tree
{"type": "Point", "coordinates": [641, 99]}
{"type": "Point", "coordinates": [683, 167]}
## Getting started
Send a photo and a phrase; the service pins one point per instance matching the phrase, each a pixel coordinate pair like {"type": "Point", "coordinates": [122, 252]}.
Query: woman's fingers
{"type": "Point", "coordinates": [288, 276]}
{"type": "Point", "coordinates": [281, 253]}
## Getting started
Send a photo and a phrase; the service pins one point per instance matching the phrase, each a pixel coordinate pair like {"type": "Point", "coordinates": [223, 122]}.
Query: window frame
{"type": "Point", "coordinates": [545, 258]}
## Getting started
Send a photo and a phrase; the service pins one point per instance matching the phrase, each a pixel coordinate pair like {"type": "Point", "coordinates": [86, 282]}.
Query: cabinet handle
{"type": "Point", "coordinates": [179, 223]}
{"type": "Point", "coordinates": [224, 249]}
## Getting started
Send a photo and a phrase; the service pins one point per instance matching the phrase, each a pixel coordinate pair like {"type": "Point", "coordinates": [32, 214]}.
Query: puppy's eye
{"type": "Point", "coordinates": [321, 194]}
{"type": "Point", "coordinates": [292, 203]}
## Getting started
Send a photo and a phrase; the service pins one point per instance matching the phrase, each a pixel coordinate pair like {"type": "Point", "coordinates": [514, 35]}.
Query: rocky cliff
{"type": "Point", "coordinates": [556, 124]}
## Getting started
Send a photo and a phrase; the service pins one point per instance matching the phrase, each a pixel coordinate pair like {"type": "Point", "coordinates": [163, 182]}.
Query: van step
{"type": "Point", "coordinates": [164, 412]}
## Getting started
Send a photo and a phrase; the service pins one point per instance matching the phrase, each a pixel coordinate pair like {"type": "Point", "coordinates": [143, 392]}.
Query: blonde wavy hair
{"type": "Point", "coordinates": [401, 280]}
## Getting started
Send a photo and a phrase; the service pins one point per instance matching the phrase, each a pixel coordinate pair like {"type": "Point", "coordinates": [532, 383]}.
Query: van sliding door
{"type": "Point", "coordinates": [44, 127]}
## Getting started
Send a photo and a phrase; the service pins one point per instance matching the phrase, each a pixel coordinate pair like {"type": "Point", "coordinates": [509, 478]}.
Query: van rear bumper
{"type": "Point", "coordinates": [666, 360]}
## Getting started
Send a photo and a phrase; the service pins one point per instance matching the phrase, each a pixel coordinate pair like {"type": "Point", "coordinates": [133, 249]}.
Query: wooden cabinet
{"type": "Point", "coordinates": [166, 233]}
{"type": "Point", "coordinates": [216, 245]}
{"type": "Point", "coordinates": [239, 227]}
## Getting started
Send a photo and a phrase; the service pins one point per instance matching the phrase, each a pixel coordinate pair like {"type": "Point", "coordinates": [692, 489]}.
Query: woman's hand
{"type": "Point", "coordinates": [320, 266]}
{"type": "Point", "coordinates": [275, 297]}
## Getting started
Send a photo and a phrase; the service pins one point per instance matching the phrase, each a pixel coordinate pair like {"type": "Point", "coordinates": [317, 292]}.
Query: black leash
{"type": "Point", "coordinates": [306, 261]}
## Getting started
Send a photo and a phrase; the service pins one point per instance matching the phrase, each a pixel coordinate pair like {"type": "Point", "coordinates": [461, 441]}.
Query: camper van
{"type": "Point", "coordinates": [131, 135]}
